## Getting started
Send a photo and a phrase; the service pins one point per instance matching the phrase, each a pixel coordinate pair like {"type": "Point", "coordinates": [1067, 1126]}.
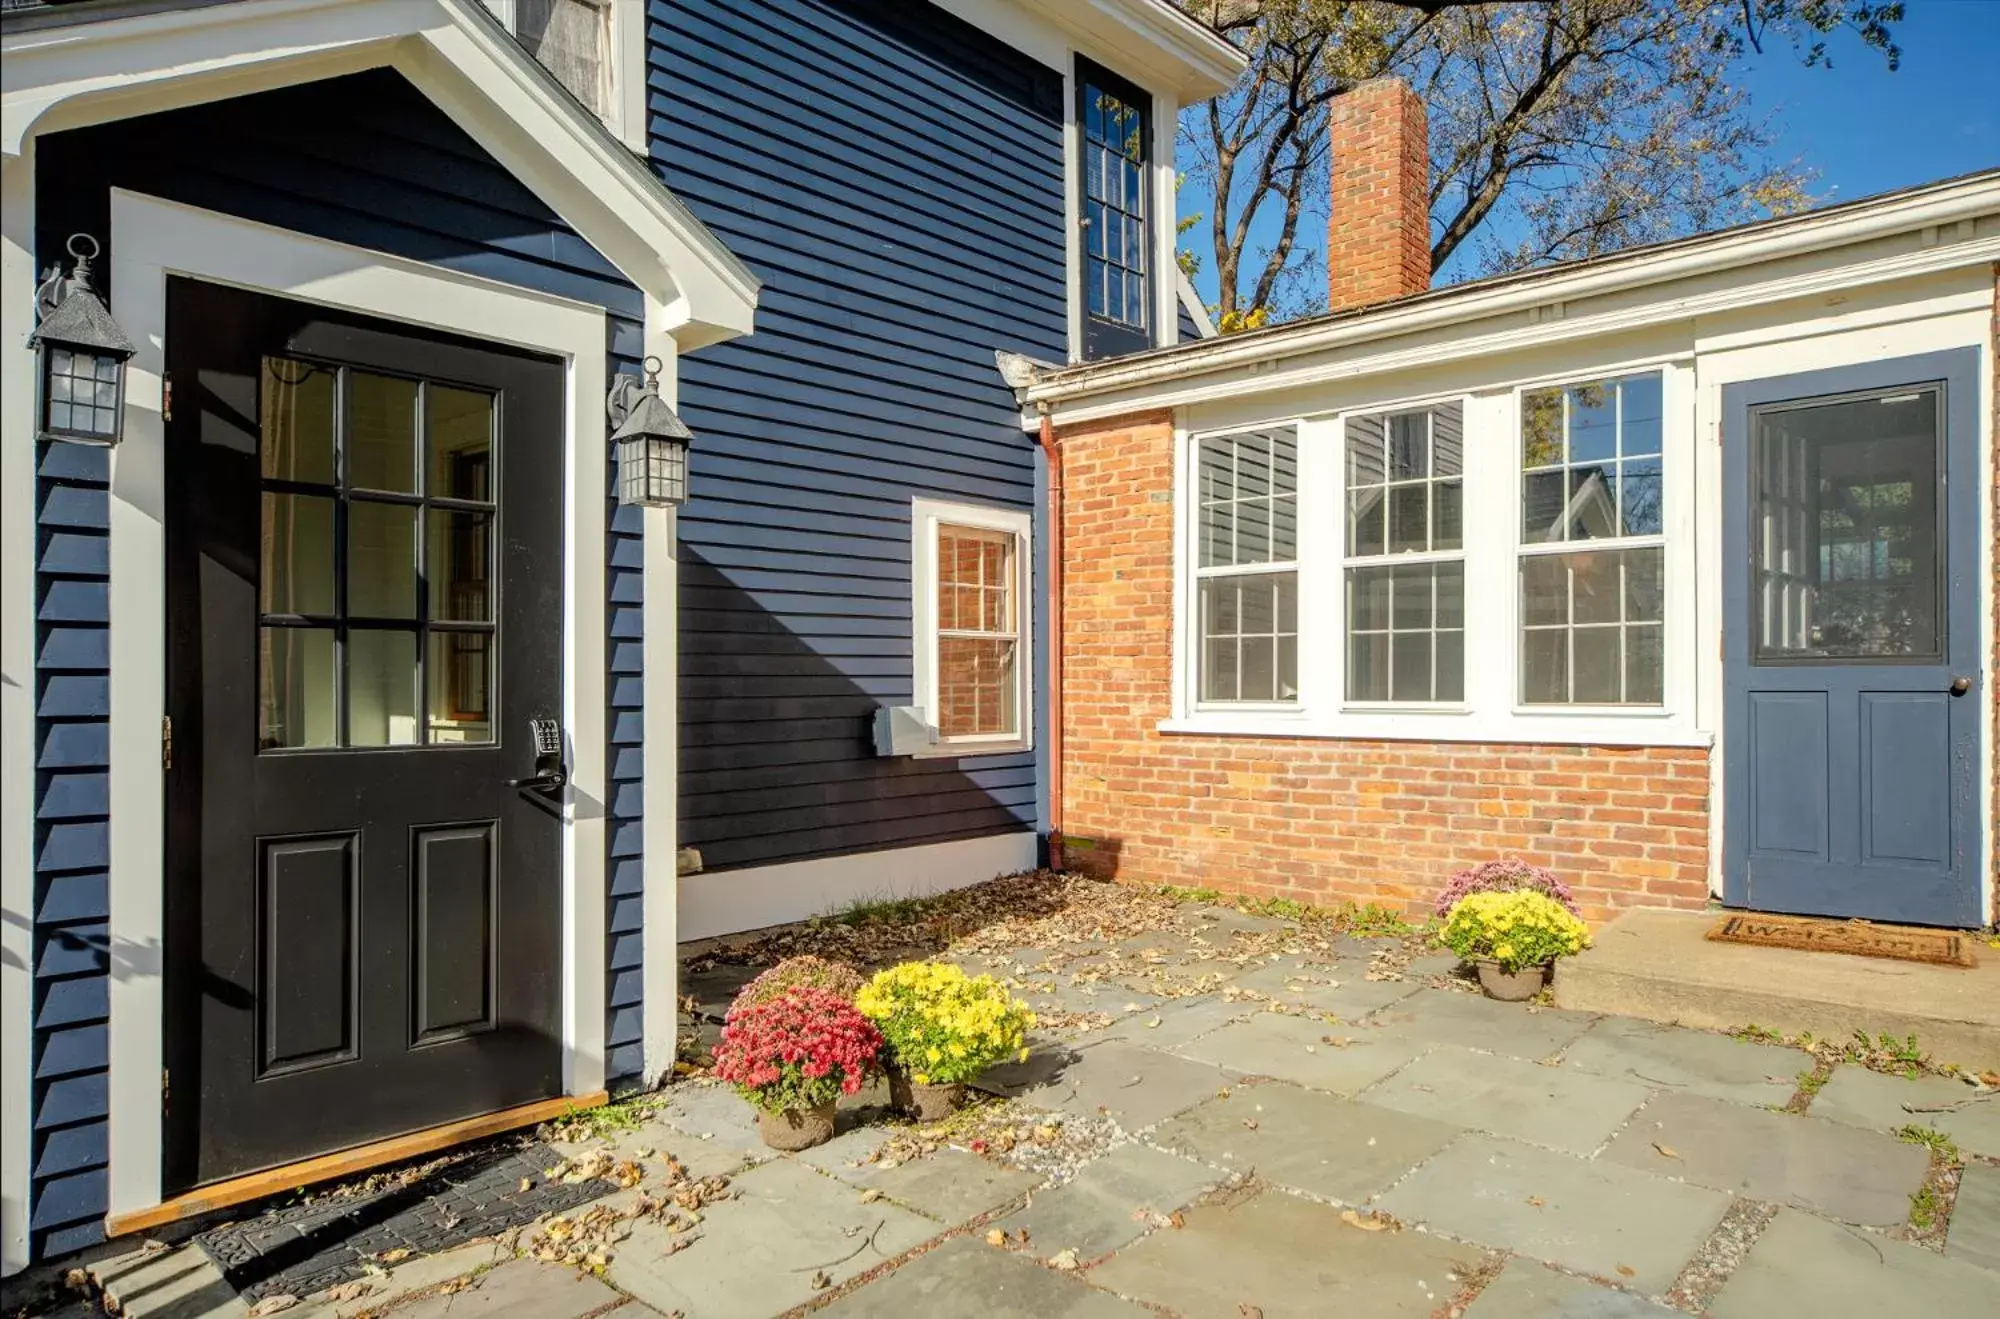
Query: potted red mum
{"type": "Point", "coordinates": [793, 1057]}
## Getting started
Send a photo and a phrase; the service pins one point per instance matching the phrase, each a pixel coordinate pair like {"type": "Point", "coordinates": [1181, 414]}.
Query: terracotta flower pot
{"type": "Point", "coordinates": [1511, 986]}
{"type": "Point", "coordinates": [796, 1128]}
{"type": "Point", "coordinates": [925, 1103]}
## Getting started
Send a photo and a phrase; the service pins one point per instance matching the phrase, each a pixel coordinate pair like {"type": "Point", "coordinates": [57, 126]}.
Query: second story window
{"type": "Point", "coordinates": [571, 39]}
{"type": "Point", "coordinates": [1114, 130]}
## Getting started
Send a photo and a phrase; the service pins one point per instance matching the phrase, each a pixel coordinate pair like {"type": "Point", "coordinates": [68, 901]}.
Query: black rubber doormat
{"type": "Point", "coordinates": [301, 1248]}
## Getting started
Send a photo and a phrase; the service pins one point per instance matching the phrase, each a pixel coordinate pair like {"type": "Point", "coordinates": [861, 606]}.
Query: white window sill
{"type": "Point", "coordinates": [960, 750]}
{"type": "Point", "coordinates": [1641, 728]}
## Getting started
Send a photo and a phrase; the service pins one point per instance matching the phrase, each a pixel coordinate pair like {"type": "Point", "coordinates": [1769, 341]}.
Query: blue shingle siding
{"type": "Point", "coordinates": [364, 160]}
{"type": "Point", "coordinates": [895, 177]}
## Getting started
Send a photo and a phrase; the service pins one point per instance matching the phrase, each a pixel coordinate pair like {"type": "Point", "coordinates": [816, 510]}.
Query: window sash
{"type": "Point", "coordinates": [986, 639]}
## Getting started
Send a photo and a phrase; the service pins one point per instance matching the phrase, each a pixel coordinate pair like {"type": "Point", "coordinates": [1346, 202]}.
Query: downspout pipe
{"type": "Point", "coordinates": [1055, 633]}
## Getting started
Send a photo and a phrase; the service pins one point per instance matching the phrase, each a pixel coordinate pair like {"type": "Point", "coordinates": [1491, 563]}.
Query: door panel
{"type": "Point", "coordinates": [1849, 741]}
{"type": "Point", "coordinates": [364, 575]}
{"type": "Point", "coordinates": [1788, 773]}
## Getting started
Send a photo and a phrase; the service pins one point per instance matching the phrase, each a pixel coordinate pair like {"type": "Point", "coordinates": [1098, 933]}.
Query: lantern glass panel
{"type": "Point", "coordinates": [82, 394]}
{"type": "Point", "coordinates": [652, 470]}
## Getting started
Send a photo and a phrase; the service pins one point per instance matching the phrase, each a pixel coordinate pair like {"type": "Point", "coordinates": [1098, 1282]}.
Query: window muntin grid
{"type": "Point", "coordinates": [1247, 566]}
{"type": "Point", "coordinates": [978, 632]}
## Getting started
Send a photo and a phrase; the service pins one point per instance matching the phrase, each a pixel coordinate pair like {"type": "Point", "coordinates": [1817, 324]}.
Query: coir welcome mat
{"type": "Point", "coordinates": [1861, 938]}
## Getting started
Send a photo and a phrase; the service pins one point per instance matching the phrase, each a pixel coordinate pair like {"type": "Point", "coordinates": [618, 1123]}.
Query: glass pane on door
{"type": "Point", "coordinates": [1846, 547]}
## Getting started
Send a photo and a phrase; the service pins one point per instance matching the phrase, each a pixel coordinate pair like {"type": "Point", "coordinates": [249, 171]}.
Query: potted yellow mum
{"type": "Point", "coordinates": [1513, 938]}
{"type": "Point", "coordinates": [943, 1028]}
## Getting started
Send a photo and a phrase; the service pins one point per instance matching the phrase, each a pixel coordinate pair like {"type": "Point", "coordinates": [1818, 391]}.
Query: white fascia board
{"type": "Point", "coordinates": [1148, 41]}
{"type": "Point", "coordinates": [457, 55]}
{"type": "Point", "coordinates": [1939, 228]}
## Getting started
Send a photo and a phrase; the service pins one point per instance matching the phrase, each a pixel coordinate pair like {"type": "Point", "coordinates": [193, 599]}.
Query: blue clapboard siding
{"type": "Point", "coordinates": [363, 160]}
{"type": "Point", "coordinates": [895, 177]}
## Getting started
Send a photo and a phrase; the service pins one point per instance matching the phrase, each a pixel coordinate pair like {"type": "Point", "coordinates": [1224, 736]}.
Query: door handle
{"type": "Point", "coordinates": [550, 774]}
{"type": "Point", "coordinates": [1960, 685]}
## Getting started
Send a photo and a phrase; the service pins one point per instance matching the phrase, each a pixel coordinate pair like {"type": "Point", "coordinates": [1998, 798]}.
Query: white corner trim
{"type": "Point", "coordinates": [925, 517]}
{"type": "Point", "coordinates": [17, 704]}
{"type": "Point", "coordinates": [151, 239]}
{"type": "Point", "coordinates": [630, 100]}
{"type": "Point", "coordinates": [660, 795]}
{"type": "Point", "coordinates": [1191, 303]}
{"type": "Point", "coordinates": [455, 52]}
{"type": "Point", "coordinates": [731, 901]}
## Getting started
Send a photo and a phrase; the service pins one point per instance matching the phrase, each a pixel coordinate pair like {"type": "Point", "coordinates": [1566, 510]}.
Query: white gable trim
{"type": "Point", "coordinates": [455, 53]}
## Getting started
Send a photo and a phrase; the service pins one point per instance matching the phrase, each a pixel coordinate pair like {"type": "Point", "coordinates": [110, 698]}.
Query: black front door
{"type": "Point", "coordinates": [364, 593]}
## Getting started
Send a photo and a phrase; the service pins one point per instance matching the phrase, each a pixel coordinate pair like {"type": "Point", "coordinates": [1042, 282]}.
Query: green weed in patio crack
{"type": "Point", "coordinates": [1811, 1082]}
{"type": "Point", "coordinates": [1931, 1204]}
{"type": "Point", "coordinates": [1884, 1053]}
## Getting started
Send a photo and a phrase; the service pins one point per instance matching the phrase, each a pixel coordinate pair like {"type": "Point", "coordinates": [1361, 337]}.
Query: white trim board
{"type": "Point", "coordinates": [151, 239]}
{"type": "Point", "coordinates": [453, 51]}
{"type": "Point", "coordinates": [731, 901]}
{"type": "Point", "coordinates": [926, 515]}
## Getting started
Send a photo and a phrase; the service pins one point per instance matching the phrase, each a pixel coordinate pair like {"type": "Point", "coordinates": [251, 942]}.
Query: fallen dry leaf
{"type": "Point", "coordinates": [1536, 1201]}
{"type": "Point", "coordinates": [1066, 1260]}
{"type": "Point", "coordinates": [870, 1196]}
{"type": "Point", "coordinates": [995, 1237]}
{"type": "Point", "coordinates": [822, 1280]}
{"type": "Point", "coordinates": [1175, 1219]}
{"type": "Point", "coordinates": [1627, 1271]}
{"type": "Point", "coordinates": [349, 1291]}
{"type": "Point", "coordinates": [1666, 1151]}
{"type": "Point", "coordinates": [277, 1304]}
{"type": "Point", "coordinates": [1245, 1310]}
{"type": "Point", "coordinates": [1371, 1223]}
{"type": "Point", "coordinates": [396, 1256]}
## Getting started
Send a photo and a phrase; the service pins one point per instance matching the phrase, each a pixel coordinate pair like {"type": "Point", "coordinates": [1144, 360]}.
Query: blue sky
{"type": "Point", "coordinates": [1865, 129]}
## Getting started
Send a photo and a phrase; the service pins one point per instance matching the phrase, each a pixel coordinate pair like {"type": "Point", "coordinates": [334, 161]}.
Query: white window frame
{"type": "Point", "coordinates": [1491, 711]}
{"type": "Point", "coordinates": [1390, 559]}
{"type": "Point", "coordinates": [926, 516]}
{"type": "Point", "coordinates": [1189, 597]}
{"type": "Point", "coordinates": [624, 65]}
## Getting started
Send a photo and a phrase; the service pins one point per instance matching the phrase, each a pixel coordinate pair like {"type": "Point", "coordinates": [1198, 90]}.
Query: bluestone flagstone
{"type": "Point", "coordinates": [967, 1279]}
{"type": "Point", "coordinates": [950, 1185]}
{"type": "Point", "coordinates": [1565, 1110]}
{"type": "Point", "coordinates": [759, 1251]}
{"type": "Point", "coordinates": [1845, 1173]}
{"type": "Point", "coordinates": [1807, 1266]}
{"type": "Point", "coordinates": [1134, 1087]}
{"type": "Point", "coordinates": [1297, 1049]}
{"type": "Point", "coordinates": [1174, 1024]}
{"type": "Point", "coordinates": [1859, 1097]}
{"type": "Point", "coordinates": [1473, 1022]}
{"type": "Point", "coordinates": [1688, 1061]}
{"type": "Point", "coordinates": [1306, 1139]}
{"type": "Point", "coordinates": [1341, 989]}
{"type": "Point", "coordinates": [1094, 1211]}
{"type": "Point", "coordinates": [522, 1289]}
{"type": "Point", "coordinates": [1975, 1219]}
{"type": "Point", "coordinates": [1527, 1290]}
{"type": "Point", "coordinates": [1283, 1257]}
{"type": "Point", "coordinates": [1596, 1218]}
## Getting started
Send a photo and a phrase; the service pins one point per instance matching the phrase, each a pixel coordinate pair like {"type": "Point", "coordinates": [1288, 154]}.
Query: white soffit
{"type": "Point", "coordinates": [88, 72]}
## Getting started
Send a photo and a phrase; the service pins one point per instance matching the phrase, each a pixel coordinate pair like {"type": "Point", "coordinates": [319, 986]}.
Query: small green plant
{"type": "Point", "coordinates": [1176, 893]}
{"type": "Point", "coordinates": [1942, 1147]}
{"type": "Point", "coordinates": [942, 1026]}
{"type": "Point", "coordinates": [1376, 922]}
{"type": "Point", "coordinates": [1926, 1208]}
{"type": "Point", "coordinates": [1756, 1034]}
{"type": "Point", "coordinates": [1812, 1081]}
{"type": "Point", "coordinates": [1516, 929]}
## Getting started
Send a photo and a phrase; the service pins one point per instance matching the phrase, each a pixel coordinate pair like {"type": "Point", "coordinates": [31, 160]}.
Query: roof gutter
{"type": "Point", "coordinates": [1939, 207]}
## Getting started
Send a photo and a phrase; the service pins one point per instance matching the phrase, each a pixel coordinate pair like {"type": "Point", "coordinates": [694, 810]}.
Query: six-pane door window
{"type": "Point", "coordinates": [1405, 537]}
{"type": "Point", "coordinates": [1593, 552]}
{"type": "Point", "coordinates": [979, 633]}
{"type": "Point", "coordinates": [1247, 574]}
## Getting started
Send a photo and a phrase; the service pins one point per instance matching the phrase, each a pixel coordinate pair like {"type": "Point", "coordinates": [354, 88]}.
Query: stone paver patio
{"type": "Point", "coordinates": [1310, 1134]}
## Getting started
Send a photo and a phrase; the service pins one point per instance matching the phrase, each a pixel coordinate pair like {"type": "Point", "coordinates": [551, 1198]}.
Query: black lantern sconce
{"type": "Point", "coordinates": [81, 355]}
{"type": "Point", "coordinates": [652, 442]}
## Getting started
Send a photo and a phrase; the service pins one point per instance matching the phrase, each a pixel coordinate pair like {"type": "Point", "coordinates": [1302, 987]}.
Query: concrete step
{"type": "Point", "coordinates": [1659, 966]}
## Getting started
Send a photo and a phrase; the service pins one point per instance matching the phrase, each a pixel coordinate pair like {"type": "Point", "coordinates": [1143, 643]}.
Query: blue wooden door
{"type": "Point", "coordinates": [1854, 689]}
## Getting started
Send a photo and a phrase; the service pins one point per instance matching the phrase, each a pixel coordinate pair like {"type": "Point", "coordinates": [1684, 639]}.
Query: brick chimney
{"type": "Point", "coordinates": [1378, 241]}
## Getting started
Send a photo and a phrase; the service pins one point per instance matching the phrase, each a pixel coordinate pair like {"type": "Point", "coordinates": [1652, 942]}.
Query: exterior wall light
{"type": "Point", "coordinates": [81, 355]}
{"type": "Point", "coordinates": [652, 442]}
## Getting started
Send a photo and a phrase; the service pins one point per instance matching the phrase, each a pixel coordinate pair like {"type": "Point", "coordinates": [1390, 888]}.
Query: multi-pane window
{"type": "Point", "coordinates": [978, 632]}
{"type": "Point", "coordinates": [1405, 500]}
{"type": "Point", "coordinates": [1247, 581]}
{"type": "Point", "coordinates": [1114, 125]}
{"type": "Point", "coordinates": [1592, 549]}
{"type": "Point", "coordinates": [375, 584]}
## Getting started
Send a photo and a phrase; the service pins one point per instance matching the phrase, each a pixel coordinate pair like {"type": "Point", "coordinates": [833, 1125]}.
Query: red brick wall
{"type": "Point", "coordinates": [1313, 819]}
{"type": "Point", "coordinates": [1378, 241]}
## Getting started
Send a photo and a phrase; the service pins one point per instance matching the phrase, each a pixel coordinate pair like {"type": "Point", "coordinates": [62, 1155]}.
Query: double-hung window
{"type": "Point", "coordinates": [972, 607]}
{"type": "Point", "coordinates": [1405, 542]}
{"type": "Point", "coordinates": [1247, 572]}
{"type": "Point", "coordinates": [1593, 549]}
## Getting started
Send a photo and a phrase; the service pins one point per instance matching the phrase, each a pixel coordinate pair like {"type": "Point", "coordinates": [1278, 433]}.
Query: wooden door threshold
{"type": "Point", "coordinates": [345, 1163]}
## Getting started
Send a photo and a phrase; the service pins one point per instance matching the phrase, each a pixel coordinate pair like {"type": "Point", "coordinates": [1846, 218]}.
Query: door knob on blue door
{"type": "Point", "coordinates": [1960, 685]}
